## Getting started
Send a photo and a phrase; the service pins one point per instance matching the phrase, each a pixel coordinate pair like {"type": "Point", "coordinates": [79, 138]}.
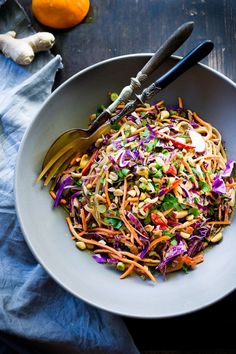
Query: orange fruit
{"type": "Point", "coordinates": [60, 13]}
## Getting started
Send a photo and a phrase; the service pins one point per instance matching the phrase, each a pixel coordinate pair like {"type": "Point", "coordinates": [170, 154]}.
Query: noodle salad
{"type": "Point", "coordinates": [151, 195]}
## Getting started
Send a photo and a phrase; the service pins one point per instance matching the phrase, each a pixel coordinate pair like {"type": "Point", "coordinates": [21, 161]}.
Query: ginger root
{"type": "Point", "coordinates": [22, 50]}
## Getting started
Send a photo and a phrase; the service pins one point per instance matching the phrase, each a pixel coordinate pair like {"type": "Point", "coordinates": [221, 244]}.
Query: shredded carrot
{"type": "Point", "coordinates": [125, 260]}
{"type": "Point", "coordinates": [145, 109]}
{"type": "Point", "coordinates": [120, 106]}
{"type": "Point", "coordinates": [127, 272]}
{"type": "Point", "coordinates": [192, 261]}
{"type": "Point", "coordinates": [230, 185]}
{"type": "Point", "coordinates": [173, 185]}
{"type": "Point", "coordinates": [188, 168]}
{"type": "Point", "coordinates": [160, 103]}
{"type": "Point", "coordinates": [106, 189]}
{"type": "Point", "coordinates": [131, 255]}
{"type": "Point", "coordinates": [138, 265]}
{"type": "Point", "coordinates": [226, 214]}
{"type": "Point", "coordinates": [137, 131]}
{"type": "Point", "coordinates": [134, 234]}
{"type": "Point", "coordinates": [223, 222]}
{"type": "Point", "coordinates": [157, 240]}
{"type": "Point", "coordinates": [125, 193]}
{"type": "Point", "coordinates": [52, 194]}
{"type": "Point", "coordinates": [83, 219]}
{"type": "Point", "coordinates": [180, 260]}
{"type": "Point", "coordinates": [94, 181]}
{"type": "Point", "coordinates": [206, 175]}
{"type": "Point", "coordinates": [91, 242]}
{"type": "Point", "coordinates": [180, 102]}
{"type": "Point", "coordinates": [105, 231]}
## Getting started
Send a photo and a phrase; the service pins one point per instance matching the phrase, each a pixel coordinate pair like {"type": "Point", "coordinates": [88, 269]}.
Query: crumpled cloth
{"type": "Point", "coordinates": [36, 314]}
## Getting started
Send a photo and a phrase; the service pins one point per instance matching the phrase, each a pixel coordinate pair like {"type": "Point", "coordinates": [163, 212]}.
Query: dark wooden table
{"type": "Point", "coordinates": [116, 27]}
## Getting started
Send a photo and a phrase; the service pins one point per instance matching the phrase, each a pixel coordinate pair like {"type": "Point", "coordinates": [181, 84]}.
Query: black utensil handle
{"type": "Point", "coordinates": [100, 120]}
{"type": "Point", "coordinates": [196, 55]}
{"type": "Point", "coordinates": [168, 48]}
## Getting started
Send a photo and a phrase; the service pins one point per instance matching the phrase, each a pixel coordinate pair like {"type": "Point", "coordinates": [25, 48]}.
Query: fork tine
{"type": "Point", "coordinates": [59, 155]}
{"type": "Point", "coordinates": [59, 143]}
{"type": "Point", "coordinates": [56, 168]}
{"type": "Point", "coordinates": [54, 159]}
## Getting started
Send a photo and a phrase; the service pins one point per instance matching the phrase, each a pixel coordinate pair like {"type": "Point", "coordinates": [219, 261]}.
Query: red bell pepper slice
{"type": "Point", "coordinates": [89, 164]}
{"type": "Point", "coordinates": [172, 171]}
{"type": "Point", "coordinates": [175, 142]}
{"type": "Point", "coordinates": [172, 186]}
{"type": "Point", "coordinates": [158, 221]}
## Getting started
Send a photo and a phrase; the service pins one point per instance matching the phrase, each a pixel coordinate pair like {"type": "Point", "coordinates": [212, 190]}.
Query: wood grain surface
{"type": "Point", "coordinates": [117, 27]}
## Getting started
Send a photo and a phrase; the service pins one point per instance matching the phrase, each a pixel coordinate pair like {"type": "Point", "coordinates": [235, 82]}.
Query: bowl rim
{"type": "Point", "coordinates": [20, 217]}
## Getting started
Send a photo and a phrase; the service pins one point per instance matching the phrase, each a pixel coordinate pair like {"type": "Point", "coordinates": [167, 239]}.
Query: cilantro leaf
{"type": "Point", "coordinates": [194, 211]}
{"type": "Point", "coordinates": [169, 202]}
{"type": "Point", "coordinates": [157, 174]}
{"type": "Point", "coordinates": [166, 233]}
{"type": "Point", "coordinates": [185, 268]}
{"type": "Point", "coordinates": [204, 186]}
{"type": "Point", "coordinates": [173, 242]}
{"type": "Point", "coordinates": [103, 181]}
{"type": "Point", "coordinates": [125, 171]}
{"type": "Point", "coordinates": [116, 223]}
{"type": "Point", "coordinates": [79, 182]}
{"type": "Point", "coordinates": [115, 126]}
{"type": "Point", "coordinates": [151, 145]}
{"type": "Point", "coordinates": [145, 133]}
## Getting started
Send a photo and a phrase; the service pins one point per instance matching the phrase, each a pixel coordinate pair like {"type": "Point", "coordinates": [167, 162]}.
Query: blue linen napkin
{"type": "Point", "coordinates": [36, 314]}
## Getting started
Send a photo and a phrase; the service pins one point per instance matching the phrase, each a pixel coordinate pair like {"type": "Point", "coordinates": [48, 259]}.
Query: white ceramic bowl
{"type": "Point", "coordinates": [204, 90]}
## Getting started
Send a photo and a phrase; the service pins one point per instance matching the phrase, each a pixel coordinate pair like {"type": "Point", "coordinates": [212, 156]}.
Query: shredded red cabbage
{"type": "Point", "coordinates": [100, 258]}
{"type": "Point", "coordinates": [66, 181]}
{"type": "Point", "coordinates": [193, 124]}
{"type": "Point", "coordinates": [228, 168]}
{"type": "Point", "coordinates": [126, 154]}
{"type": "Point", "coordinates": [144, 251]}
{"type": "Point", "coordinates": [194, 247]}
{"type": "Point", "coordinates": [137, 224]}
{"type": "Point", "coordinates": [218, 185]}
{"type": "Point", "coordinates": [172, 252]}
{"type": "Point", "coordinates": [187, 193]}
